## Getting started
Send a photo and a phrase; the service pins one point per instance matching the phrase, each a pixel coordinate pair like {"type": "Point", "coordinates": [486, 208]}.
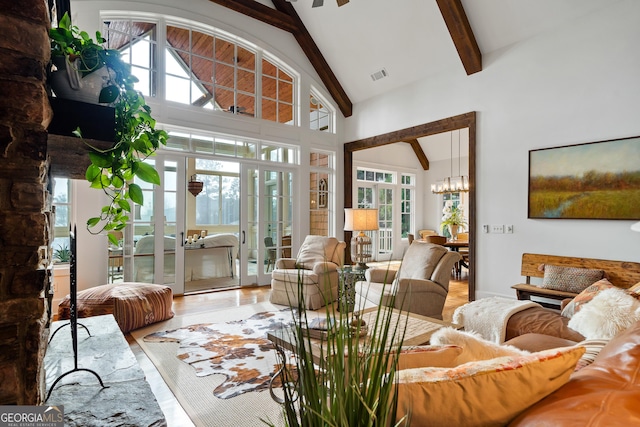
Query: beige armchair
{"type": "Point", "coordinates": [315, 268]}
{"type": "Point", "coordinates": [421, 284]}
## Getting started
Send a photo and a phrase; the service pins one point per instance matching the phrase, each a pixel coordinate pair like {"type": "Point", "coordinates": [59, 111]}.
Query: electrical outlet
{"type": "Point", "coordinates": [509, 229]}
{"type": "Point", "coordinates": [497, 229]}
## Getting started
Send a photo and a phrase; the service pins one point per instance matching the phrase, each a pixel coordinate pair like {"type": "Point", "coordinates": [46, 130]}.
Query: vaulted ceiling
{"type": "Point", "coordinates": [410, 39]}
{"type": "Point", "coordinates": [407, 40]}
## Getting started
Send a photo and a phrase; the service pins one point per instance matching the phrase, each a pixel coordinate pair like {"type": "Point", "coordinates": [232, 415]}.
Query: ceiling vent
{"type": "Point", "coordinates": [382, 73]}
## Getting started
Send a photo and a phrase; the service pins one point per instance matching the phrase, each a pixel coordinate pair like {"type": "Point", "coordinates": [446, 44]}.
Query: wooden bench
{"type": "Point", "coordinates": [623, 274]}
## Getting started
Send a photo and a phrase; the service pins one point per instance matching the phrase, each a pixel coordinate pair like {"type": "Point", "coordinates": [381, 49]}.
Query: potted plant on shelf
{"type": "Point", "coordinates": [452, 218]}
{"type": "Point", "coordinates": [112, 170]}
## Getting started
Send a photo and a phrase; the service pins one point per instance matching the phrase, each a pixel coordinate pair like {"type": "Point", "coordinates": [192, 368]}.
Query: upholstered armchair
{"type": "Point", "coordinates": [420, 285]}
{"type": "Point", "coordinates": [315, 268]}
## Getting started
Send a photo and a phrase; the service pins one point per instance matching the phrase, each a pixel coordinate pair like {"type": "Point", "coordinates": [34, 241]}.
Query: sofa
{"type": "Point", "coordinates": [209, 258]}
{"type": "Point", "coordinates": [605, 391]}
{"type": "Point", "coordinates": [578, 366]}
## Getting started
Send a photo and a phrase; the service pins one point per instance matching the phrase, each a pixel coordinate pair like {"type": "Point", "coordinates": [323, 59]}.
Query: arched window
{"type": "Point", "coordinates": [206, 68]}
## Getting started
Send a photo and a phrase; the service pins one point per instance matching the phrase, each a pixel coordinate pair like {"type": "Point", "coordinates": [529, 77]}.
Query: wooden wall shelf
{"type": "Point", "coordinates": [68, 153]}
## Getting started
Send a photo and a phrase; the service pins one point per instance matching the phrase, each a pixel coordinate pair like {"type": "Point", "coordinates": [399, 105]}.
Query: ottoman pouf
{"type": "Point", "coordinates": [133, 304]}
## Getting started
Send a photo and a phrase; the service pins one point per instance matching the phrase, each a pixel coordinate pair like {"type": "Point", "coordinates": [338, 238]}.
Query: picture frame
{"type": "Point", "coordinates": [594, 180]}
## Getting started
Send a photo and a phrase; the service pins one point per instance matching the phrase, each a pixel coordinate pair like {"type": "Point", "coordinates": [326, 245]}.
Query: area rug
{"type": "Point", "coordinates": [218, 363]}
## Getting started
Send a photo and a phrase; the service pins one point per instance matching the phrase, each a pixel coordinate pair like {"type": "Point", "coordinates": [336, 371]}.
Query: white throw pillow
{"type": "Point", "coordinates": [608, 313]}
{"type": "Point", "coordinates": [474, 347]}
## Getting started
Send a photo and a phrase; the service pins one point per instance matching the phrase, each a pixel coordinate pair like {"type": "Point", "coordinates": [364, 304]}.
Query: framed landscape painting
{"type": "Point", "coordinates": [596, 180]}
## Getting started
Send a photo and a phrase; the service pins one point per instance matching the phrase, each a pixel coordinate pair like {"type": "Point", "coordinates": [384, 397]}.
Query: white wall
{"type": "Point", "coordinates": [577, 84]}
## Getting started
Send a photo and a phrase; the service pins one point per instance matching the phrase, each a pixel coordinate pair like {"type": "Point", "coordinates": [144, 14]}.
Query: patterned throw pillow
{"type": "Point", "coordinates": [569, 279]}
{"type": "Point", "coordinates": [592, 348]}
{"type": "Point", "coordinates": [585, 296]}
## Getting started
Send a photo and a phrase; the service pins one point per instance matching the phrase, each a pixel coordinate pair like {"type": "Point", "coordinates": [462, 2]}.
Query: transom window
{"type": "Point", "coordinates": [206, 68]}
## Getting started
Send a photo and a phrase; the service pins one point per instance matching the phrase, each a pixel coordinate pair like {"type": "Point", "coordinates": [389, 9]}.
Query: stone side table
{"type": "Point", "coordinates": [347, 291]}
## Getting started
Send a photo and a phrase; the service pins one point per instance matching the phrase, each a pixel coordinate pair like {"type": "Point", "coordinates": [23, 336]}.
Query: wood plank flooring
{"type": "Point", "coordinates": [219, 300]}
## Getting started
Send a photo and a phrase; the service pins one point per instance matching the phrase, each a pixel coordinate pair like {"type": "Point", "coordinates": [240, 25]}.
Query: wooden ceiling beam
{"type": "Point", "coordinates": [260, 12]}
{"type": "Point", "coordinates": [286, 18]}
{"type": "Point", "coordinates": [417, 148]}
{"type": "Point", "coordinates": [461, 34]}
{"type": "Point", "coordinates": [317, 60]}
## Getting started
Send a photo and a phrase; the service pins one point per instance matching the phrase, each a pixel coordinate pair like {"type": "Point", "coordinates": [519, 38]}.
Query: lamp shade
{"type": "Point", "coordinates": [360, 219]}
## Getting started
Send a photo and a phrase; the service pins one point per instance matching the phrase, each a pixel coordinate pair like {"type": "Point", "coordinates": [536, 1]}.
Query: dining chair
{"type": "Point", "coordinates": [270, 252]}
{"type": "Point", "coordinates": [426, 232]}
{"type": "Point", "coordinates": [438, 240]}
{"type": "Point", "coordinates": [464, 251]}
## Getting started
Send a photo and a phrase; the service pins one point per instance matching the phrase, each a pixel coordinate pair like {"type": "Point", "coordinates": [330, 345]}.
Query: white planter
{"type": "Point", "coordinates": [66, 82]}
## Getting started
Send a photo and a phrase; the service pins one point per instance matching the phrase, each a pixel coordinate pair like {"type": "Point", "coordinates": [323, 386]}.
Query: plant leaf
{"type": "Point", "coordinates": [135, 194]}
{"type": "Point", "coordinates": [147, 173]}
{"type": "Point", "coordinates": [100, 160]}
{"type": "Point", "coordinates": [109, 94]}
{"type": "Point", "coordinates": [92, 222]}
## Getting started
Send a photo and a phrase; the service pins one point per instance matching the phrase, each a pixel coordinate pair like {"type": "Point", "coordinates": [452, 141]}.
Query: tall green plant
{"type": "Point", "coordinates": [353, 381]}
{"type": "Point", "coordinates": [137, 138]}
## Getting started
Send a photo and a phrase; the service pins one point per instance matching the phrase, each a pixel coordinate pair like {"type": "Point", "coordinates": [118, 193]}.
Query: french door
{"type": "Point", "coordinates": [381, 197]}
{"type": "Point", "coordinates": [267, 220]}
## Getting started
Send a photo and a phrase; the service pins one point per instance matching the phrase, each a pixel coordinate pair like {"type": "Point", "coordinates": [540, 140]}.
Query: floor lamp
{"type": "Point", "coordinates": [361, 220]}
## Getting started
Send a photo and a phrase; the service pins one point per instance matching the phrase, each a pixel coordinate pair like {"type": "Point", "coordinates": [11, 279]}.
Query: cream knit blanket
{"type": "Point", "coordinates": [489, 316]}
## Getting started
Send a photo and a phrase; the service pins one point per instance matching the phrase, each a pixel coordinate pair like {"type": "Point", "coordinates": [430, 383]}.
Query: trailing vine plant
{"type": "Point", "coordinates": [113, 170]}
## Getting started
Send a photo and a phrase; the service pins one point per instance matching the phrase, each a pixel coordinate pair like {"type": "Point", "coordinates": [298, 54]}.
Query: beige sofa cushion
{"type": "Point", "coordinates": [316, 249]}
{"type": "Point", "coordinates": [485, 393]}
{"type": "Point", "coordinates": [420, 260]}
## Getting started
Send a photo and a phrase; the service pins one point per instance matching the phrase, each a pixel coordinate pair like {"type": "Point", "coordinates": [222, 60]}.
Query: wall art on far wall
{"type": "Point", "coordinates": [596, 180]}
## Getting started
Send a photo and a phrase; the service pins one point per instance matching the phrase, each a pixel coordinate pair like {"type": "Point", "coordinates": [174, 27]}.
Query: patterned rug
{"type": "Point", "coordinates": [237, 349]}
{"type": "Point", "coordinates": [236, 368]}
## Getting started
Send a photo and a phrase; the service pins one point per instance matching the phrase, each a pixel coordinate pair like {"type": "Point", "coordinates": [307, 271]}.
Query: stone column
{"type": "Point", "coordinates": [25, 205]}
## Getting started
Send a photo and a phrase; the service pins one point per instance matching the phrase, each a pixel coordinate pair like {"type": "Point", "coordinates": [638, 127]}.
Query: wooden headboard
{"type": "Point", "coordinates": [623, 274]}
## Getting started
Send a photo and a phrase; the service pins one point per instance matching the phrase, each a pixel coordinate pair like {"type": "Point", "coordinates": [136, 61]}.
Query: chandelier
{"type": "Point", "coordinates": [452, 184]}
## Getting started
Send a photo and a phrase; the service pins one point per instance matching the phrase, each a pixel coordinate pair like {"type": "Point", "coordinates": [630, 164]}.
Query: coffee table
{"type": "Point", "coordinates": [418, 332]}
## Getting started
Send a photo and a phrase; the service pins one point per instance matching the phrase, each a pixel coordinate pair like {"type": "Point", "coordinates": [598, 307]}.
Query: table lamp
{"type": "Point", "coordinates": [360, 220]}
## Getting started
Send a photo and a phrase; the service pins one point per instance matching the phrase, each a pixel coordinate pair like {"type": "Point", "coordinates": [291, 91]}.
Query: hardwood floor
{"type": "Point", "coordinates": [219, 300]}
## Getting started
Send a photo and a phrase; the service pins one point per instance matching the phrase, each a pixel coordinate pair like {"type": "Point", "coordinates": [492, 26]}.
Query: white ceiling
{"type": "Point", "coordinates": [410, 39]}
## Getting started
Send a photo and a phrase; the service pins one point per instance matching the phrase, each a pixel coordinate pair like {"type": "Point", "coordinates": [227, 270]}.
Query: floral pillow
{"type": "Point", "coordinates": [585, 296]}
{"type": "Point", "coordinates": [569, 279]}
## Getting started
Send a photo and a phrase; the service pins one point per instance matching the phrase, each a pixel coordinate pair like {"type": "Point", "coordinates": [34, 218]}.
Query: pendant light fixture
{"type": "Point", "coordinates": [195, 187]}
{"type": "Point", "coordinates": [452, 184]}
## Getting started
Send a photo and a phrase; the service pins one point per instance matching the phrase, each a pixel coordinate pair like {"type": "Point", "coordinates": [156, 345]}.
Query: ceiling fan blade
{"type": "Point", "coordinates": [342, 2]}
{"type": "Point", "coordinates": [317, 3]}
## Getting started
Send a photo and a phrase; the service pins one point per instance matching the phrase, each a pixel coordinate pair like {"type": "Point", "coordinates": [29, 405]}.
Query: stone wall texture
{"type": "Point", "coordinates": [25, 202]}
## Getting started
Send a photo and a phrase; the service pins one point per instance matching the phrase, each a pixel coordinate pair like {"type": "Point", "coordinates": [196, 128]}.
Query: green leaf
{"type": "Point", "coordinates": [100, 160]}
{"type": "Point", "coordinates": [109, 94]}
{"type": "Point", "coordinates": [117, 182]}
{"type": "Point", "coordinates": [92, 222]}
{"type": "Point", "coordinates": [135, 194]}
{"type": "Point", "coordinates": [147, 173]}
{"type": "Point", "coordinates": [93, 172]}
{"type": "Point", "coordinates": [77, 132]}
{"type": "Point", "coordinates": [124, 205]}
{"type": "Point", "coordinates": [112, 239]}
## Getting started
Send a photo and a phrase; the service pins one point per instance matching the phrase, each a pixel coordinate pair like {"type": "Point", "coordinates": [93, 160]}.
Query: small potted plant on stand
{"type": "Point", "coordinates": [111, 170]}
{"type": "Point", "coordinates": [452, 219]}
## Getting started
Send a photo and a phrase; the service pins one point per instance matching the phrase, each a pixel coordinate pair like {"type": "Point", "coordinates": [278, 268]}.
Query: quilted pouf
{"type": "Point", "coordinates": [133, 304]}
